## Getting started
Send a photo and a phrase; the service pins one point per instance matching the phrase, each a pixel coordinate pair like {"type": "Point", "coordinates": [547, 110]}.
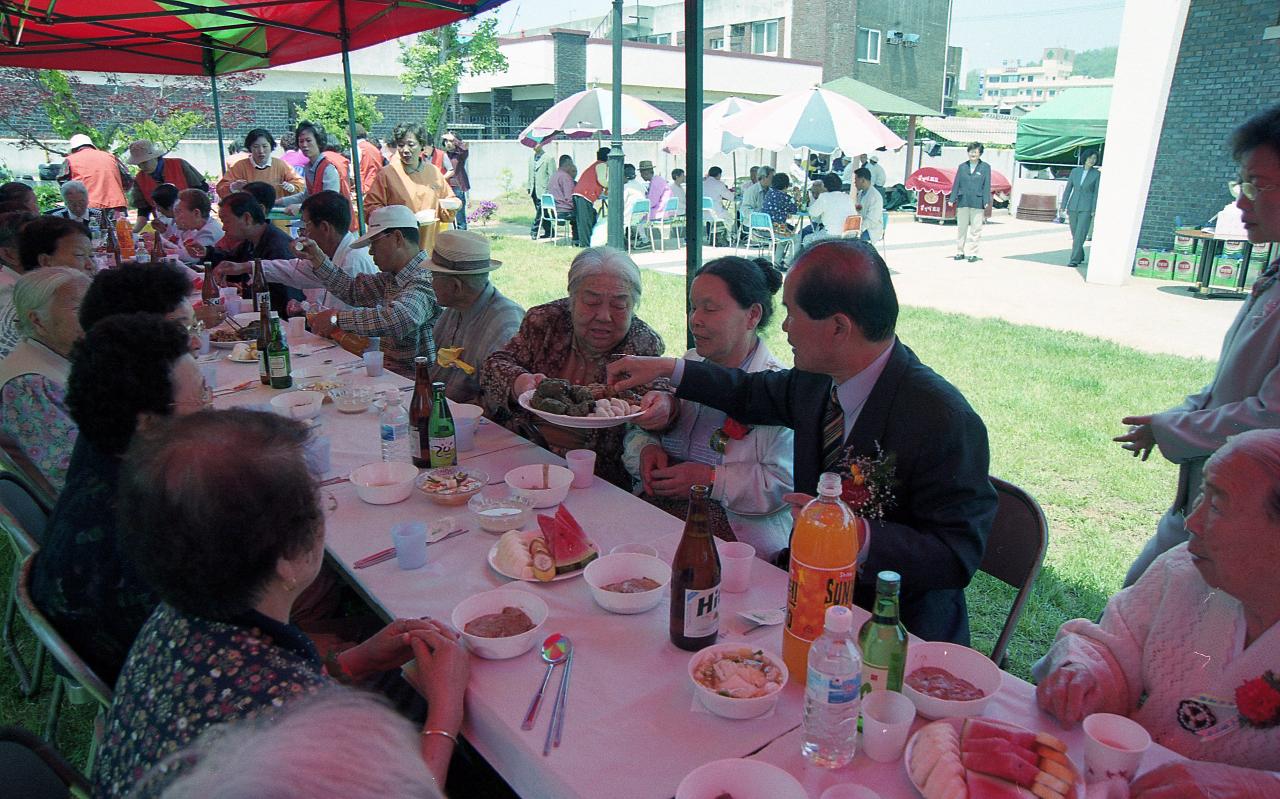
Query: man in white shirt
{"type": "Point", "coordinates": [634, 191]}
{"type": "Point", "coordinates": [877, 173]}
{"type": "Point", "coordinates": [856, 163]}
{"type": "Point", "coordinates": [719, 193]}
{"type": "Point", "coordinates": [326, 220]}
{"type": "Point", "coordinates": [677, 190]}
{"type": "Point", "coordinates": [869, 204]}
{"type": "Point", "coordinates": [829, 211]}
{"type": "Point", "coordinates": [196, 229]}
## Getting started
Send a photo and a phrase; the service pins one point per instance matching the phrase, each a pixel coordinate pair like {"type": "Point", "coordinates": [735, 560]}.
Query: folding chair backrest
{"type": "Point", "coordinates": [31, 518]}
{"type": "Point", "coordinates": [1015, 551]}
{"type": "Point", "coordinates": [671, 207]}
{"type": "Point", "coordinates": [549, 201]}
{"type": "Point", "coordinates": [32, 768]}
{"type": "Point", "coordinates": [707, 205]}
{"type": "Point", "coordinates": [638, 212]}
{"type": "Point", "coordinates": [759, 219]}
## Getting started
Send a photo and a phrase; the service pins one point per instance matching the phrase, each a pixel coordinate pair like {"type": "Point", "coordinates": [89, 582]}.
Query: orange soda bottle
{"type": "Point", "coordinates": [124, 235]}
{"type": "Point", "coordinates": [824, 558]}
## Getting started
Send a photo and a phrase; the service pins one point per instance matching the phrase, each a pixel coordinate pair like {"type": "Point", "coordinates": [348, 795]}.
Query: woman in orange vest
{"type": "Point", "coordinates": [153, 169]}
{"type": "Point", "coordinates": [413, 181]}
{"type": "Point", "coordinates": [321, 172]}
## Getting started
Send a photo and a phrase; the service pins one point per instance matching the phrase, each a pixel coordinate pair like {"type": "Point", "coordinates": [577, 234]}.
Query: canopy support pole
{"type": "Point", "coordinates": [693, 151]}
{"type": "Point", "coordinates": [211, 67]}
{"type": "Point", "coordinates": [616, 205]}
{"type": "Point", "coordinates": [345, 37]}
{"type": "Point", "coordinates": [911, 143]}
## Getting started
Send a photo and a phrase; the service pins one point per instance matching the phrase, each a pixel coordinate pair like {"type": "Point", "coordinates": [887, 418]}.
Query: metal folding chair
{"type": "Point", "coordinates": [670, 218]}
{"type": "Point", "coordinates": [32, 768]}
{"type": "Point", "coordinates": [637, 220]}
{"type": "Point", "coordinates": [558, 225]}
{"type": "Point", "coordinates": [1015, 551]}
{"type": "Point", "coordinates": [31, 507]}
{"type": "Point", "coordinates": [710, 221]}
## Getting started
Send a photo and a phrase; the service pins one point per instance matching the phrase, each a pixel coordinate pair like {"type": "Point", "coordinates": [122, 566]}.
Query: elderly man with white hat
{"type": "Point", "coordinates": [102, 173]}
{"type": "Point", "coordinates": [397, 304]}
{"type": "Point", "coordinates": [155, 168]}
{"type": "Point", "coordinates": [477, 319]}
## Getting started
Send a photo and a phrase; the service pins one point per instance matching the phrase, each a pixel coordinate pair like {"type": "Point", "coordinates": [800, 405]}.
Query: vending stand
{"type": "Point", "coordinates": [932, 186]}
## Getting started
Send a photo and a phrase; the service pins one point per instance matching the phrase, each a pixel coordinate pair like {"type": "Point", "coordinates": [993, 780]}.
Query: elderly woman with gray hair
{"type": "Point", "coordinates": [75, 205]}
{"type": "Point", "coordinates": [573, 339]}
{"type": "Point", "coordinates": [34, 419]}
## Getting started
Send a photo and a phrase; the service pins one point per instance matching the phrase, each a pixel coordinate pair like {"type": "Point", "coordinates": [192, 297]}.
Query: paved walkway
{"type": "Point", "coordinates": [1021, 279]}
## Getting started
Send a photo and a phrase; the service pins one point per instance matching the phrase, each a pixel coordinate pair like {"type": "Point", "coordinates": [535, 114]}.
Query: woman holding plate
{"type": "Point", "coordinates": [573, 339]}
{"type": "Point", "coordinates": [749, 469]}
{"type": "Point", "coordinates": [413, 181]}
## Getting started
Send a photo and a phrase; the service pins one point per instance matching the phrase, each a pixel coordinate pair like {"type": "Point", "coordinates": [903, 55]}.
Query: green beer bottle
{"type": "Point", "coordinates": [440, 430]}
{"type": "Point", "coordinates": [278, 369]}
{"type": "Point", "coordinates": [883, 639]}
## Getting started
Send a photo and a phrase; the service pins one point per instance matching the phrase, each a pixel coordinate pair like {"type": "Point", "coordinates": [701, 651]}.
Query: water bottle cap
{"type": "Point", "coordinates": [829, 485]}
{"type": "Point", "coordinates": [839, 619]}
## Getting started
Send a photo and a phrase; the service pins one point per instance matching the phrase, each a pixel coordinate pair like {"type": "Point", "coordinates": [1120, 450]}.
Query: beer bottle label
{"type": "Point", "coordinates": [833, 690]}
{"type": "Point", "coordinates": [701, 612]}
{"type": "Point", "coordinates": [279, 365]}
{"type": "Point", "coordinates": [810, 591]}
{"type": "Point", "coordinates": [443, 451]}
{"type": "Point", "coordinates": [415, 442]}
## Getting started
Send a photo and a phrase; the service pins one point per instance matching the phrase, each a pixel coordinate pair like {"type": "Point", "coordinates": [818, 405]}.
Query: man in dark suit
{"type": "Point", "coordinates": [971, 193]}
{"type": "Point", "coordinates": [1079, 200]}
{"type": "Point", "coordinates": [854, 379]}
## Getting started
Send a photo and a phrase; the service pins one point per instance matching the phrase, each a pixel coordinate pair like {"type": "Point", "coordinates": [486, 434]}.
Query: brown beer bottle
{"type": "Point", "coordinates": [695, 579]}
{"type": "Point", "coordinates": [420, 413]}
{"type": "Point", "coordinates": [261, 293]}
{"type": "Point", "coordinates": [263, 302]}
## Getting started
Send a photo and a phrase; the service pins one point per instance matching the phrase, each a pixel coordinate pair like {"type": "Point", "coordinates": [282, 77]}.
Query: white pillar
{"type": "Point", "coordinates": [1150, 36]}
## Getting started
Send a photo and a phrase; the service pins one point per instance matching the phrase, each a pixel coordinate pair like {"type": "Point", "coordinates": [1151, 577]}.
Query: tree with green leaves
{"type": "Point", "coordinates": [329, 108]}
{"type": "Point", "coordinates": [439, 59]}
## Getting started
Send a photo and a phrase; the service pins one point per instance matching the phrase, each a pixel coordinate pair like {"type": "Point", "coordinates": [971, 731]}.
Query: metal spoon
{"type": "Point", "coordinates": [554, 650]}
{"type": "Point", "coordinates": [557, 709]}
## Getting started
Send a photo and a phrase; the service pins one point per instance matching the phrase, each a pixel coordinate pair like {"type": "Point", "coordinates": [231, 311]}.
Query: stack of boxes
{"type": "Point", "coordinates": [1228, 264]}
{"type": "Point", "coordinates": [1184, 259]}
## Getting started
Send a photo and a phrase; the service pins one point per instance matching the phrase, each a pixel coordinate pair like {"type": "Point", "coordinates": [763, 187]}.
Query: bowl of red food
{"type": "Point", "coordinates": [502, 623]}
{"type": "Point", "coordinates": [947, 680]}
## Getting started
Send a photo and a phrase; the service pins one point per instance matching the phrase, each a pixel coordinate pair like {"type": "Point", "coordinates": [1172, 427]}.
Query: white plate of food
{"type": "Point", "coordinates": [244, 352]}
{"type": "Point", "coordinates": [513, 555]}
{"type": "Point", "coordinates": [976, 756]}
{"type": "Point", "coordinates": [620, 410]}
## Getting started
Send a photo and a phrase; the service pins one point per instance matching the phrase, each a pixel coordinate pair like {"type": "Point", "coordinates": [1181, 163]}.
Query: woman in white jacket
{"type": "Point", "coordinates": [749, 469]}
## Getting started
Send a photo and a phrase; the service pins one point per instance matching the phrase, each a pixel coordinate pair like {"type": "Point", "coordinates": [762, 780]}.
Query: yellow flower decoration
{"type": "Point", "coordinates": [448, 356]}
{"type": "Point", "coordinates": [858, 478]}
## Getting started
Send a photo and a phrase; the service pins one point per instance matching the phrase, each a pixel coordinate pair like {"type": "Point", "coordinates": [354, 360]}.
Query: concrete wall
{"type": "Point", "coordinates": [1225, 73]}
{"type": "Point", "coordinates": [915, 73]}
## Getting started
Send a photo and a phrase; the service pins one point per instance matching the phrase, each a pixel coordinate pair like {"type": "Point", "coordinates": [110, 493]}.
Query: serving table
{"type": "Point", "coordinates": [632, 725]}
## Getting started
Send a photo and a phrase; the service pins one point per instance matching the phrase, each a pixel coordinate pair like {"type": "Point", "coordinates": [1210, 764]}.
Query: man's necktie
{"type": "Point", "coordinates": [832, 432]}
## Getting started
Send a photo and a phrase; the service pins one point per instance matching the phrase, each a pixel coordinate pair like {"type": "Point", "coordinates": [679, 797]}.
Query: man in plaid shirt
{"type": "Point", "coordinates": [397, 304]}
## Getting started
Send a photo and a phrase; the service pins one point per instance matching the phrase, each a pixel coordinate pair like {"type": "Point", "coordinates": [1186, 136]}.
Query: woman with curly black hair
{"type": "Point", "coordinates": [126, 372]}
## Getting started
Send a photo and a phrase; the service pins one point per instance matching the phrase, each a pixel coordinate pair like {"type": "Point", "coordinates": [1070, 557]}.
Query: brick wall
{"type": "Point", "coordinates": [823, 30]}
{"type": "Point", "coordinates": [571, 62]}
{"type": "Point", "coordinates": [1225, 73]}
{"type": "Point", "coordinates": [915, 73]}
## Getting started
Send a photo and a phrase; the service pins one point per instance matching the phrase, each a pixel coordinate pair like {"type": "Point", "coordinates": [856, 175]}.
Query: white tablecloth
{"type": "Point", "coordinates": [630, 729]}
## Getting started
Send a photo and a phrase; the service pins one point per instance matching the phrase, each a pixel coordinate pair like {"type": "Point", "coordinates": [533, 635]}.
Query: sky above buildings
{"type": "Point", "coordinates": [990, 31]}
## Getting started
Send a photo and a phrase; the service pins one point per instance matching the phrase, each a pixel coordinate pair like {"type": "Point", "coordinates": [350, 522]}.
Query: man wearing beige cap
{"type": "Point", "coordinates": [477, 319]}
{"type": "Point", "coordinates": [101, 173]}
{"type": "Point", "coordinates": [397, 304]}
{"type": "Point", "coordinates": [155, 168]}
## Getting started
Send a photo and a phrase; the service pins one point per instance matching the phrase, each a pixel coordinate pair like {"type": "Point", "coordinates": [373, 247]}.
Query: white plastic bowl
{"type": "Point", "coordinates": [744, 779]}
{"type": "Point", "coordinates": [728, 706]}
{"type": "Point", "coordinates": [308, 376]}
{"type": "Point", "coordinates": [493, 602]}
{"type": "Point", "coordinates": [500, 514]}
{"type": "Point", "coordinates": [298, 404]}
{"type": "Point", "coordinates": [246, 318]}
{"type": "Point", "coordinates": [384, 483]}
{"type": "Point", "coordinates": [624, 566]}
{"type": "Point", "coordinates": [961, 661]}
{"type": "Point", "coordinates": [527, 481]}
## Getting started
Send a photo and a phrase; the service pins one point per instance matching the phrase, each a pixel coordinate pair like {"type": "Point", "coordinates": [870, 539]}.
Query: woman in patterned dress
{"type": "Point", "coordinates": [222, 518]}
{"type": "Point", "coordinates": [33, 377]}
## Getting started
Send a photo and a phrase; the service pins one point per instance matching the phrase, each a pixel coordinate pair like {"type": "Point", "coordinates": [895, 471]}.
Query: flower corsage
{"type": "Point", "coordinates": [731, 430]}
{"type": "Point", "coordinates": [868, 482]}
{"type": "Point", "coordinates": [1258, 701]}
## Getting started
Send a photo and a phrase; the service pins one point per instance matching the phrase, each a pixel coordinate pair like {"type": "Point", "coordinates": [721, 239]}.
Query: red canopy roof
{"type": "Point", "coordinates": [172, 37]}
{"type": "Point", "coordinates": [932, 177]}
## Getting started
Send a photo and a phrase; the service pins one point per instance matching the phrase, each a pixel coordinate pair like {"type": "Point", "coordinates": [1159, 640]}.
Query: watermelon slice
{"type": "Point", "coordinates": [1004, 765]}
{"type": "Point", "coordinates": [566, 541]}
{"type": "Point", "coordinates": [994, 746]}
{"type": "Point", "coordinates": [984, 728]}
{"type": "Point", "coordinates": [983, 787]}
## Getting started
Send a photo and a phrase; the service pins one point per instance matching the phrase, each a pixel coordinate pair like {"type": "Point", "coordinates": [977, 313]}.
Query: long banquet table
{"type": "Point", "coordinates": [632, 727]}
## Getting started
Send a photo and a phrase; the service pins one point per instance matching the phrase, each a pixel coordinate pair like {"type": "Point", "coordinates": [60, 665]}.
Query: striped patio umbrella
{"type": "Point", "coordinates": [589, 113]}
{"type": "Point", "coordinates": [715, 139]}
{"type": "Point", "coordinates": [815, 119]}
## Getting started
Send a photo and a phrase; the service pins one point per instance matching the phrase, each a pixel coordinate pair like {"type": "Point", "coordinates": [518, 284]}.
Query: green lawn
{"type": "Point", "coordinates": [1051, 402]}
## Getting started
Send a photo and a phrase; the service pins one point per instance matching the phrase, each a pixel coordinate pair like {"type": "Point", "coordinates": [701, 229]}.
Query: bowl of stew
{"type": "Point", "coordinates": [946, 680]}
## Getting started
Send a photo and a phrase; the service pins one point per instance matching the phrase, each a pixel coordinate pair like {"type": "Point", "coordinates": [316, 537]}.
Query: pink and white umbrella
{"type": "Point", "coordinates": [715, 139]}
{"type": "Point", "coordinates": [819, 120]}
{"type": "Point", "coordinates": [590, 112]}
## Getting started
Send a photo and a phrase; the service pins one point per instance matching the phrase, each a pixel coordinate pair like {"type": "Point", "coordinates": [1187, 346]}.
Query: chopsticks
{"type": "Point", "coordinates": [390, 552]}
{"type": "Point", "coordinates": [222, 392]}
{"type": "Point", "coordinates": [556, 727]}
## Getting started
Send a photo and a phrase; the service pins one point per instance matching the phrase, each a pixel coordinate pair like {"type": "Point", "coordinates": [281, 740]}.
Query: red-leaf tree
{"type": "Point", "coordinates": [37, 105]}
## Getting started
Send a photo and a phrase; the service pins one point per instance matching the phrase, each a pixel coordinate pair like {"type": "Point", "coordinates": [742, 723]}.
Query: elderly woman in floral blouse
{"type": "Point", "coordinates": [574, 339]}
{"type": "Point", "coordinates": [33, 377]}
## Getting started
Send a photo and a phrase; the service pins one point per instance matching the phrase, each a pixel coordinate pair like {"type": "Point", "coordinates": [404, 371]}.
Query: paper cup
{"type": "Point", "coordinates": [735, 565]}
{"type": "Point", "coordinates": [886, 720]}
{"type": "Point", "coordinates": [465, 419]}
{"type": "Point", "coordinates": [373, 363]}
{"type": "Point", "coordinates": [410, 540]}
{"type": "Point", "coordinates": [582, 462]}
{"type": "Point", "coordinates": [297, 329]}
{"type": "Point", "coordinates": [1113, 747]}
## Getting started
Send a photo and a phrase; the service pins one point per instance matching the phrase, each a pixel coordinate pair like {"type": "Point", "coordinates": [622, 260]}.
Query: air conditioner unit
{"type": "Point", "coordinates": [911, 39]}
{"type": "Point", "coordinates": [895, 37]}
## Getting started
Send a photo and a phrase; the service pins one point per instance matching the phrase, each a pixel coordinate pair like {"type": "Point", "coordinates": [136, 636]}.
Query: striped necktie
{"type": "Point", "coordinates": [832, 432]}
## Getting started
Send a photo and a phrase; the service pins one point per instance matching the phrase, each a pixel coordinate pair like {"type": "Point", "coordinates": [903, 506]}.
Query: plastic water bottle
{"type": "Point", "coordinates": [393, 426]}
{"type": "Point", "coordinates": [832, 696]}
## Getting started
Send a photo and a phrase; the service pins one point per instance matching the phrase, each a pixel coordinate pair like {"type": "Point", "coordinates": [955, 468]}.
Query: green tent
{"type": "Point", "coordinates": [1076, 118]}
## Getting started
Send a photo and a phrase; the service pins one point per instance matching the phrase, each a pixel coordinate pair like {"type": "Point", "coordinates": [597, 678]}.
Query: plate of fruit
{"type": "Point", "coordinates": [979, 758]}
{"type": "Point", "coordinates": [557, 550]}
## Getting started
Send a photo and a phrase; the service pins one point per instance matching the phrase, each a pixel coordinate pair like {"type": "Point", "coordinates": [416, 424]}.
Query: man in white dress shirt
{"type": "Point", "coordinates": [828, 212]}
{"type": "Point", "coordinates": [869, 204]}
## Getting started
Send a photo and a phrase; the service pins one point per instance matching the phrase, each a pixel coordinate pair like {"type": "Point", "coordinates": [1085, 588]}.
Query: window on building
{"type": "Point", "coordinates": [868, 45]}
{"type": "Point", "coordinates": [764, 37]}
{"type": "Point", "coordinates": [1039, 92]}
{"type": "Point", "coordinates": [716, 44]}
{"type": "Point", "coordinates": [738, 38]}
